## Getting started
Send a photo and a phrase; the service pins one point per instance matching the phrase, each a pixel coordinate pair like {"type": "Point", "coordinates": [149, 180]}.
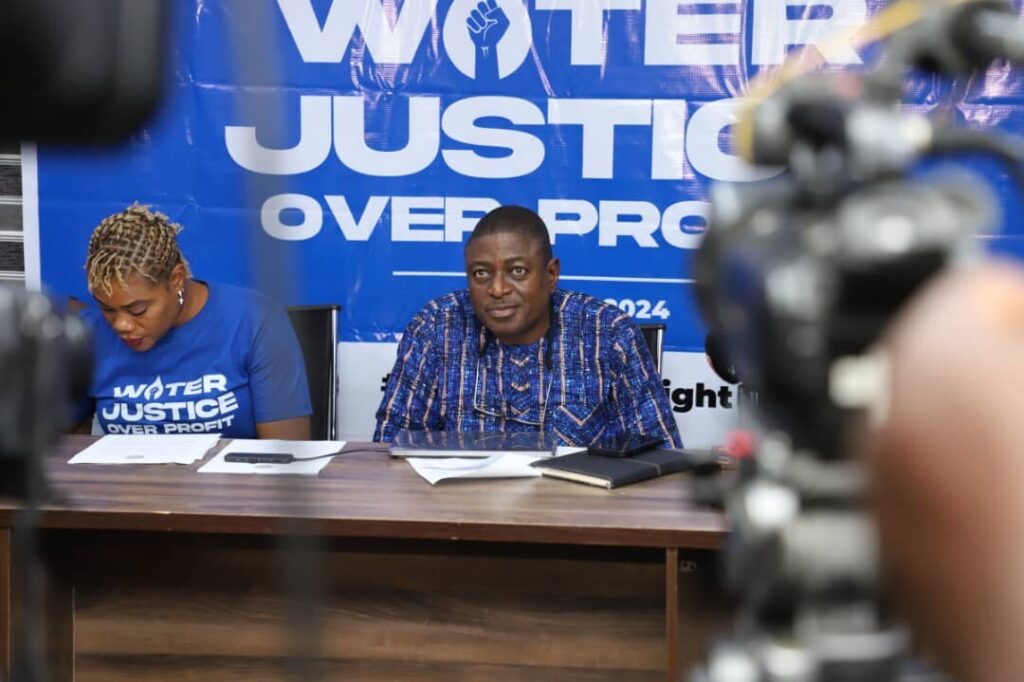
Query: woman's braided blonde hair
{"type": "Point", "coordinates": [136, 239]}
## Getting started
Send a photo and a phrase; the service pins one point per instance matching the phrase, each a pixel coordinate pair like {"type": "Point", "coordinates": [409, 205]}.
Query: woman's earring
{"type": "Point", "coordinates": [181, 297]}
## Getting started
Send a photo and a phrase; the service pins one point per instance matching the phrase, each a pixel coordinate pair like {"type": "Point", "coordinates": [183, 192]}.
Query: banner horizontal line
{"type": "Point", "coordinates": [425, 273]}
{"type": "Point", "coordinates": [638, 280]}
{"type": "Point", "coordinates": [571, 278]}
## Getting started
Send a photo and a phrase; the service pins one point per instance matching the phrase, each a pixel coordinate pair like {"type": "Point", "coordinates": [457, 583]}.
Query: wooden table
{"type": "Point", "coordinates": [156, 572]}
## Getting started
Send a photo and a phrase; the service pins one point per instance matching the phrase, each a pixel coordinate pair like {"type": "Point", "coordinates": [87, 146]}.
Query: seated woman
{"type": "Point", "coordinates": [177, 355]}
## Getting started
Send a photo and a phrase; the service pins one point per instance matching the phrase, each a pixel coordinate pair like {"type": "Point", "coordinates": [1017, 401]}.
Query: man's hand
{"type": "Point", "coordinates": [487, 24]}
{"type": "Point", "coordinates": [948, 471]}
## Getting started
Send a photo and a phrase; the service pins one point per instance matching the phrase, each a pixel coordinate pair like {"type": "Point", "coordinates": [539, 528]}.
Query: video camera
{"type": "Point", "coordinates": [46, 362]}
{"type": "Point", "coordinates": [798, 278]}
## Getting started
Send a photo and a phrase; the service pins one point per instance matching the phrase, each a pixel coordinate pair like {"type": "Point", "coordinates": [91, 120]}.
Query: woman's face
{"type": "Point", "coordinates": [143, 312]}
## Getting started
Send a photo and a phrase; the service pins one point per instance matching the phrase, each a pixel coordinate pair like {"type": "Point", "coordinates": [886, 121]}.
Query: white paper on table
{"type": "Point", "coordinates": [510, 465]}
{"type": "Point", "coordinates": [147, 449]}
{"type": "Point", "coordinates": [567, 450]}
{"type": "Point", "coordinates": [301, 449]}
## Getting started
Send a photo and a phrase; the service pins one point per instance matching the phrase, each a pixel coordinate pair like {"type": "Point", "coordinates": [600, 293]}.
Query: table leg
{"type": "Point", "coordinates": [705, 611]}
{"type": "Point", "coordinates": [672, 614]}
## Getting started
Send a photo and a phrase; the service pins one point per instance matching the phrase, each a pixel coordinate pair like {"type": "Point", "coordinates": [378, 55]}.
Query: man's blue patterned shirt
{"type": "Point", "coordinates": [590, 378]}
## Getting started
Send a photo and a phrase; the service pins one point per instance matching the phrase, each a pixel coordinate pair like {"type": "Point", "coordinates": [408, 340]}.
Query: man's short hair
{"type": "Point", "coordinates": [516, 219]}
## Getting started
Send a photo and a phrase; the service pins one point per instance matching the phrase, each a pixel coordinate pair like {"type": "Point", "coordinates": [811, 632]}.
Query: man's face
{"type": "Point", "coordinates": [511, 286]}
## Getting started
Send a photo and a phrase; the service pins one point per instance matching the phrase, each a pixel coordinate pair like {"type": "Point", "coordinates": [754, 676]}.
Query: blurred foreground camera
{"type": "Point", "coordinates": [45, 363]}
{"type": "Point", "coordinates": [80, 71]}
{"type": "Point", "coordinates": [797, 279]}
{"type": "Point", "coordinates": [800, 291]}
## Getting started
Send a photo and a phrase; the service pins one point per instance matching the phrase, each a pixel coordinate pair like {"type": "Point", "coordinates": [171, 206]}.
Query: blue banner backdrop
{"type": "Point", "coordinates": [358, 140]}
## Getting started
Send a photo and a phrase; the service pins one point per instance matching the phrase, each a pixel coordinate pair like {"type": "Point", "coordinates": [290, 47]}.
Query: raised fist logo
{"type": "Point", "coordinates": [487, 24]}
{"type": "Point", "coordinates": [487, 39]}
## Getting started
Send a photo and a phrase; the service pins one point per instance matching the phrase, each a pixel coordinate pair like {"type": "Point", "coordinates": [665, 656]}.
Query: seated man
{"type": "Point", "coordinates": [515, 353]}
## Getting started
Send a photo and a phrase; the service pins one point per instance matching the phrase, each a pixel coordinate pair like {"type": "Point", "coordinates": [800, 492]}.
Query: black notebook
{"type": "Point", "coordinates": [614, 472]}
{"type": "Point", "coordinates": [470, 444]}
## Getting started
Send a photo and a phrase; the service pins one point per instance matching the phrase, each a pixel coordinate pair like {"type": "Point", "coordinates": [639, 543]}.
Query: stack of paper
{"type": "Point", "coordinates": [310, 456]}
{"type": "Point", "coordinates": [508, 465]}
{"type": "Point", "coordinates": [164, 449]}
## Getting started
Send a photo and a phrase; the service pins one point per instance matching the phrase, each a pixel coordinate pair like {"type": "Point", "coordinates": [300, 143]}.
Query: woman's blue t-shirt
{"type": "Point", "coordinates": [235, 364]}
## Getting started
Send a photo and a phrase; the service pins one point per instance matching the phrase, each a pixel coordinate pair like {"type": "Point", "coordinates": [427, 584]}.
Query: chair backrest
{"type": "Point", "coordinates": [316, 326]}
{"type": "Point", "coordinates": [654, 335]}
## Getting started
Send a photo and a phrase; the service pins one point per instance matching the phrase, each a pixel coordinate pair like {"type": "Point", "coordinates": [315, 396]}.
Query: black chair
{"type": "Point", "coordinates": [654, 335]}
{"type": "Point", "coordinates": [317, 329]}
